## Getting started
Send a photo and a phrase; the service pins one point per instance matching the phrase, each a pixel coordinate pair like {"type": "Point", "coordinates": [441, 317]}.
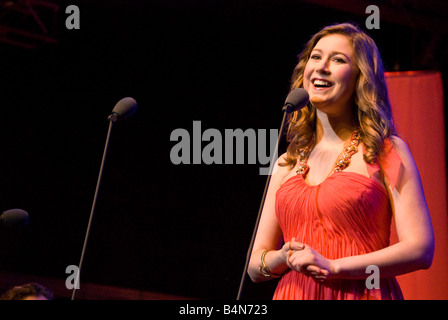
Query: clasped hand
{"type": "Point", "coordinates": [304, 259]}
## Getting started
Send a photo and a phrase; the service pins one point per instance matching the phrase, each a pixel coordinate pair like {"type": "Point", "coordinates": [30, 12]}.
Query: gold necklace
{"type": "Point", "coordinates": [343, 160]}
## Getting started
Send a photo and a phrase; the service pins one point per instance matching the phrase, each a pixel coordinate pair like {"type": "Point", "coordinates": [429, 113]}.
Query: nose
{"type": "Point", "coordinates": [323, 67]}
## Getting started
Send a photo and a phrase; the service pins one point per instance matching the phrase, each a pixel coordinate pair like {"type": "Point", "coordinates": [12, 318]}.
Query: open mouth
{"type": "Point", "coordinates": [319, 83]}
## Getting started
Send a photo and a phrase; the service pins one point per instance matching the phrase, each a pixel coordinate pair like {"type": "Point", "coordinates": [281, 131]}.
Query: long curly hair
{"type": "Point", "coordinates": [372, 114]}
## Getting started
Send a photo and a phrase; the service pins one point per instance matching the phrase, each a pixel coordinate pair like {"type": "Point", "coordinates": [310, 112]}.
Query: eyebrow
{"type": "Point", "coordinates": [333, 53]}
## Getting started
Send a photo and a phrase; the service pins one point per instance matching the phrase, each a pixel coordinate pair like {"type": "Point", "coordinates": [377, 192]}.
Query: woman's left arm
{"type": "Point", "coordinates": [415, 247]}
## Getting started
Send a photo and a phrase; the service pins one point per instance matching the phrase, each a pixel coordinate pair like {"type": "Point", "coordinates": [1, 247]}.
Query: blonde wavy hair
{"type": "Point", "coordinates": [372, 109]}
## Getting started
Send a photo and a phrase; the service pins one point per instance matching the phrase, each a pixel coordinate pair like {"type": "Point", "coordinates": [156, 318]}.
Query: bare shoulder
{"type": "Point", "coordinates": [402, 149]}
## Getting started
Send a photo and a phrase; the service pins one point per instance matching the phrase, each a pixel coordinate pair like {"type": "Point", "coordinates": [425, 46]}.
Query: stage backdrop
{"type": "Point", "coordinates": [418, 107]}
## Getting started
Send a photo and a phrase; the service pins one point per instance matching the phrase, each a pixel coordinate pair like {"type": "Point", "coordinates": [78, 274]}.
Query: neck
{"type": "Point", "coordinates": [334, 128]}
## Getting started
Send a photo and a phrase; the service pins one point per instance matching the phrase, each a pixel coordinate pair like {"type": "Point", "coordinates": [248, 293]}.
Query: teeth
{"type": "Point", "coordinates": [324, 83]}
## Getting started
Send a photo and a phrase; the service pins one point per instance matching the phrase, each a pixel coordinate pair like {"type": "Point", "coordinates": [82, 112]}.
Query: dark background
{"type": "Point", "coordinates": [174, 229]}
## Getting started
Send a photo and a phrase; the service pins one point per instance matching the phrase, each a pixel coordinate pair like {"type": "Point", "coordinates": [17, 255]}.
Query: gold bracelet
{"type": "Point", "coordinates": [264, 268]}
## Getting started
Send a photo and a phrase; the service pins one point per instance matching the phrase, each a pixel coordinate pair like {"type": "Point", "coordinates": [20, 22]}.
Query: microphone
{"type": "Point", "coordinates": [14, 218]}
{"type": "Point", "coordinates": [124, 109]}
{"type": "Point", "coordinates": [296, 100]}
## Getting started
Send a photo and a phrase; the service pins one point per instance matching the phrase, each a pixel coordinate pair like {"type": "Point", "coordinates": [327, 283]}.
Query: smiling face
{"type": "Point", "coordinates": [330, 74]}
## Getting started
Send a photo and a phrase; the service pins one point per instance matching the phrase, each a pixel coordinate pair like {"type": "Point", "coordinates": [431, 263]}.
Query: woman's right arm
{"type": "Point", "coordinates": [269, 235]}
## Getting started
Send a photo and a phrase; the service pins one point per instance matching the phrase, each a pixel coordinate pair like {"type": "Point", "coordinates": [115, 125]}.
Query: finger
{"type": "Point", "coordinates": [317, 272]}
{"type": "Point", "coordinates": [291, 242]}
{"type": "Point", "coordinates": [314, 269]}
{"type": "Point", "coordinates": [294, 245]}
{"type": "Point", "coordinates": [295, 264]}
{"type": "Point", "coordinates": [288, 249]}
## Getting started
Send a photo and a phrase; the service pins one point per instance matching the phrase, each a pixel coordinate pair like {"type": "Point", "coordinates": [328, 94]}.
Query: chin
{"type": "Point", "coordinates": [319, 100]}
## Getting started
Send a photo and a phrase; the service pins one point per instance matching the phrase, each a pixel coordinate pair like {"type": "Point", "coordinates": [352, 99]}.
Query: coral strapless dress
{"type": "Point", "coordinates": [347, 214]}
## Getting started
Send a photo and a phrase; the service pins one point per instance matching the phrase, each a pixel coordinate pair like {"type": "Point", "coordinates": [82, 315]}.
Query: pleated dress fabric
{"type": "Point", "coordinates": [347, 214]}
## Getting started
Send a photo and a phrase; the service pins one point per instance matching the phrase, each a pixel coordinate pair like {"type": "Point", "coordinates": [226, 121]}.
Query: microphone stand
{"type": "Point", "coordinates": [286, 109]}
{"type": "Point", "coordinates": [111, 119]}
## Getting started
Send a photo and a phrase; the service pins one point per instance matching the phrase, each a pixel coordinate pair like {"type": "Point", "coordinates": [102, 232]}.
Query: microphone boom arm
{"type": "Point", "coordinates": [93, 206]}
{"type": "Point", "coordinates": [297, 99]}
{"type": "Point", "coordinates": [268, 180]}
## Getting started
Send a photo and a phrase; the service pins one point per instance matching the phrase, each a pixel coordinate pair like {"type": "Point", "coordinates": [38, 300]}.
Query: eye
{"type": "Point", "coordinates": [315, 57]}
{"type": "Point", "coordinates": [339, 60]}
